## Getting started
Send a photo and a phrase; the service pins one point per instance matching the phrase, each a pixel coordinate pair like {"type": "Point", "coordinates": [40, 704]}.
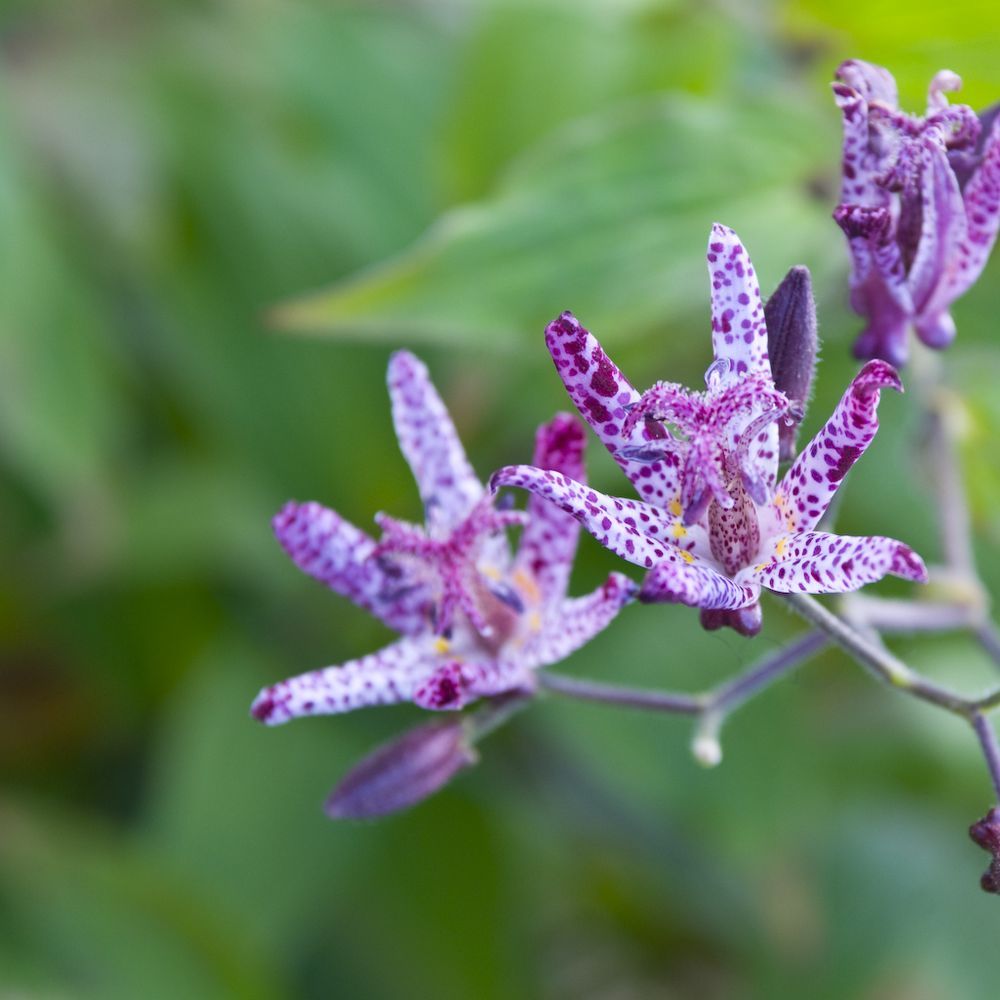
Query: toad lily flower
{"type": "Point", "coordinates": [474, 620]}
{"type": "Point", "coordinates": [920, 206]}
{"type": "Point", "coordinates": [712, 527]}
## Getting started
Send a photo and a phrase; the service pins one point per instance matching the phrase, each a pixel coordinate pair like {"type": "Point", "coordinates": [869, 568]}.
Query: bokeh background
{"type": "Point", "coordinates": [174, 176]}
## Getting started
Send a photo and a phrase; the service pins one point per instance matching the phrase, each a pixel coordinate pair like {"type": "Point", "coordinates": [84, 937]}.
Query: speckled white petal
{"type": "Point", "coordinates": [808, 487]}
{"type": "Point", "coordinates": [697, 585]}
{"type": "Point", "coordinates": [381, 678]}
{"type": "Point", "coordinates": [448, 486]}
{"type": "Point", "coordinates": [636, 531]}
{"type": "Point", "coordinates": [814, 562]}
{"type": "Point", "coordinates": [321, 543]}
{"type": "Point", "coordinates": [453, 685]}
{"type": "Point", "coordinates": [603, 396]}
{"type": "Point", "coordinates": [548, 542]}
{"type": "Point", "coordinates": [739, 334]}
{"type": "Point", "coordinates": [576, 621]}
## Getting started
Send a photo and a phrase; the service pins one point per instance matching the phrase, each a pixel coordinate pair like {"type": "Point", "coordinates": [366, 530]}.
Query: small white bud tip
{"type": "Point", "coordinates": [707, 751]}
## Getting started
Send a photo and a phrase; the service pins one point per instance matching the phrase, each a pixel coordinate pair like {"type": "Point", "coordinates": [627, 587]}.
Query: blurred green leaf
{"type": "Point", "coordinates": [532, 65]}
{"type": "Point", "coordinates": [913, 40]}
{"type": "Point", "coordinates": [609, 217]}
{"type": "Point", "coordinates": [107, 920]}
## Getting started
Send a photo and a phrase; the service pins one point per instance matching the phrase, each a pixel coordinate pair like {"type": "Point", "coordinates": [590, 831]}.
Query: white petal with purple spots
{"type": "Point", "coordinates": [810, 484]}
{"type": "Point", "coordinates": [814, 562]}
{"type": "Point", "coordinates": [448, 486]}
{"type": "Point", "coordinates": [739, 334]}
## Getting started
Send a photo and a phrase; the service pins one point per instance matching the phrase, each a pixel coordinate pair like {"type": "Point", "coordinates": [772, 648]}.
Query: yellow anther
{"type": "Point", "coordinates": [527, 585]}
{"type": "Point", "coordinates": [779, 548]}
{"type": "Point", "coordinates": [675, 507]}
{"type": "Point", "coordinates": [687, 557]}
{"type": "Point", "coordinates": [678, 530]}
{"type": "Point", "coordinates": [441, 645]}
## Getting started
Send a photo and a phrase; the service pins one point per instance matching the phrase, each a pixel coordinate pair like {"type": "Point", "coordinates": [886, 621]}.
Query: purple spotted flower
{"type": "Point", "coordinates": [919, 204]}
{"type": "Point", "coordinates": [474, 619]}
{"type": "Point", "coordinates": [714, 525]}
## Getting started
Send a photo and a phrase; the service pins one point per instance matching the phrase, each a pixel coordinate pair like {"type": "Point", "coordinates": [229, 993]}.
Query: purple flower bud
{"type": "Point", "coordinates": [403, 772]}
{"type": "Point", "coordinates": [790, 315]}
{"type": "Point", "coordinates": [746, 621]}
{"type": "Point", "coordinates": [986, 833]}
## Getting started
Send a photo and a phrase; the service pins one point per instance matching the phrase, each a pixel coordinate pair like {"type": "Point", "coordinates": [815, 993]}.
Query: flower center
{"type": "Point", "coordinates": [464, 587]}
{"type": "Point", "coordinates": [734, 532]}
{"type": "Point", "coordinates": [712, 432]}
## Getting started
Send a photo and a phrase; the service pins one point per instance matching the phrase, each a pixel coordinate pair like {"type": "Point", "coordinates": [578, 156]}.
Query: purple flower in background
{"type": "Point", "coordinates": [712, 527]}
{"type": "Point", "coordinates": [919, 204]}
{"type": "Point", "coordinates": [474, 620]}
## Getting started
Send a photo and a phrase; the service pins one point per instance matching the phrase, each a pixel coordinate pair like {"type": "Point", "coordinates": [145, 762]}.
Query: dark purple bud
{"type": "Point", "coordinates": [792, 343]}
{"type": "Point", "coordinates": [746, 621]}
{"type": "Point", "coordinates": [986, 833]}
{"type": "Point", "coordinates": [403, 772]}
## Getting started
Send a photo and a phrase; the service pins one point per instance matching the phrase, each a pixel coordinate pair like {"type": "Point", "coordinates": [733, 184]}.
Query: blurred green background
{"type": "Point", "coordinates": [174, 175]}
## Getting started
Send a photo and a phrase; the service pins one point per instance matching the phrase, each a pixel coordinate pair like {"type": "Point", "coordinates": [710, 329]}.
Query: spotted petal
{"type": "Point", "coordinates": [739, 334]}
{"type": "Point", "coordinates": [453, 685]}
{"type": "Point", "coordinates": [814, 562]}
{"type": "Point", "coordinates": [982, 208]}
{"type": "Point", "coordinates": [381, 678]}
{"type": "Point", "coordinates": [697, 585]}
{"type": "Point", "coordinates": [942, 228]}
{"type": "Point", "coordinates": [577, 621]}
{"type": "Point", "coordinates": [603, 396]}
{"type": "Point", "coordinates": [321, 543]}
{"type": "Point", "coordinates": [636, 531]}
{"type": "Point", "coordinates": [448, 486]}
{"type": "Point", "coordinates": [859, 83]}
{"type": "Point", "coordinates": [548, 542]}
{"type": "Point", "coordinates": [809, 485]}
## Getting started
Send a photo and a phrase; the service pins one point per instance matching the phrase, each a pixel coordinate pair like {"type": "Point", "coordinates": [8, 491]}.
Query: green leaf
{"type": "Point", "coordinates": [913, 40]}
{"type": "Point", "coordinates": [104, 919]}
{"type": "Point", "coordinates": [608, 217]}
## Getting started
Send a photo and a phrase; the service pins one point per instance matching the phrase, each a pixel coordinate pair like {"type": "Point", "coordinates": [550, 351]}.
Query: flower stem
{"type": "Point", "coordinates": [617, 694]}
{"type": "Point", "coordinates": [877, 659]}
{"type": "Point", "coordinates": [991, 749]}
{"type": "Point", "coordinates": [989, 638]}
{"type": "Point", "coordinates": [710, 707]}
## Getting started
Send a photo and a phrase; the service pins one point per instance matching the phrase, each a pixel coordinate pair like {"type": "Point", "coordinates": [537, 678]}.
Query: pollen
{"type": "Point", "coordinates": [528, 586]}
{"type": "Point", "coordinates": [441, 645]}
{"type": "Point", "coordinates": [675, 507]}
{"type": "Point", "coordinates": [687, 557]}
{"type": "Point", "coordinates": [678, 530]}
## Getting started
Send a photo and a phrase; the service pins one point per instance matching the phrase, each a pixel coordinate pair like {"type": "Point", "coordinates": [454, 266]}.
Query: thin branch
{"type": "Point", "coordinates": [909, 616]}
{"type": "Point", "coordinates": [989, 638]}
{"type": "Point", "coordinates": [710, 707]}
{"type": "Point", "coordinates": [616, 694]}
{"type": "Point", "coordinates": [729, 696]}
{"type": "Point", "coordinates": [879, 661]}
{"type": "Point", "coordinates": [991, 749]}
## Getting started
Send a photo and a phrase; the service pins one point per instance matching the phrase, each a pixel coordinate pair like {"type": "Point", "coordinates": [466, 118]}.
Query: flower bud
{"type": "Point", "coordinates": [986, 833]}
{"type": "Point", "coordinates": [403, 772]}
{"type": "Point", "coordinates": [790, 315]}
